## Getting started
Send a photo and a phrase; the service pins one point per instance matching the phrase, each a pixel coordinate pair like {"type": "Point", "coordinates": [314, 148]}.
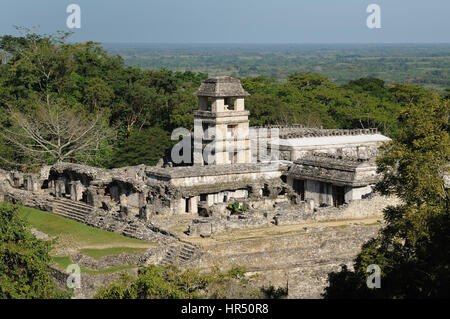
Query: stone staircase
{"type": "Point", "coordinates": [71, 209]}
{"type": "Point", "coordinates": [132, 230]}
{"type": "Point", "coordinates": [179, 255]}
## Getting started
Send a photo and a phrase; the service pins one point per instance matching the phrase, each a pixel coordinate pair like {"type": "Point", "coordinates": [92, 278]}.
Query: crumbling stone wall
{"type": "Point", "coordinates": [300, 261]}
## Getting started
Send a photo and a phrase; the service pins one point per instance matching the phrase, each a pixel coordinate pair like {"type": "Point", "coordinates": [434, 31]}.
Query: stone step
{"type": "Point", "coordinates": [70, 216]}
{"type": "Point", "coordinates": [70, 212]}
{"type": "Point", "coordinates": [69, 209]}
{"type": "Point", "coordinates": [187, 255]}
{"type": "Point", "coordinates": [188, 250]}
{"type": "Point", "coordinates": [72, 209]}
{"type": "Point", "coordinates": [76, 204]}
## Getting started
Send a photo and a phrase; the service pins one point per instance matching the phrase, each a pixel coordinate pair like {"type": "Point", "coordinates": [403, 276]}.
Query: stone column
{"type": "Point", "coordinates": [17, 179]}
{"type": "Point", "coordinates": [193, 205]}
{"type": "Point", "coordinates": [60, 188]}
{"type": "Point", "coordinates": [210, 200]}
{"type": "Point", "coordinates": [76, 190]}
{"type": "Point", "coordinates": [123, 205]}
{"type": "Point", "coordinates": [92, 197]}
{"type": "Point", "coordinates": [145, 212]}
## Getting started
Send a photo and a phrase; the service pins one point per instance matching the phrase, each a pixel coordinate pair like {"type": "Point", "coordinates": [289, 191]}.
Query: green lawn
{"type": "Point", "coordinates": [80, 236]}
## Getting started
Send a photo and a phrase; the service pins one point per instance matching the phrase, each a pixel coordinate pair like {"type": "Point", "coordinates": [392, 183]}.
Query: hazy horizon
{"type": "Point", "coordinates": [236, 21]}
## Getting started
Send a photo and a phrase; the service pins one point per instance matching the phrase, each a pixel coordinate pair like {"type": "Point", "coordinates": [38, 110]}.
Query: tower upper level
{"type": "Point", "coordinates": [221, 94]}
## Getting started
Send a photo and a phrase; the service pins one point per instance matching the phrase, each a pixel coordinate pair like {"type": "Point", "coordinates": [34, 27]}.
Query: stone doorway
{"type": "Point", "coordinates": [338, 196]}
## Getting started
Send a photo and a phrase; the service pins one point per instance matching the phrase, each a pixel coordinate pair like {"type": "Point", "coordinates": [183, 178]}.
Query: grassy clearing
{"type": "Point", "coordinates": [72, 234]}
{"type": "Point", "coordinates": [99, 253]}
{"type": "Point", "coordinates": [62, 261]}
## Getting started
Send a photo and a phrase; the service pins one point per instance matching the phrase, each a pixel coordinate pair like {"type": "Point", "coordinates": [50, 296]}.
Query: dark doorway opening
{"type": "Point", "coordinates": [186, 209]}
{"type": "Point", "coordinates": [338, 195]}
{"type": "Point", "coordinates": [299, 188]}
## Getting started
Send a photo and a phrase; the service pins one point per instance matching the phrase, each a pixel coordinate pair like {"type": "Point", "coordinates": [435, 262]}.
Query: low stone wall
{"type": "Point", "coordinates": [205, 227]}
{"type": "Point", "coordinates": [365, 208]}
{"type": "Point", "coordinates": [132, 259]}
{"type": "Point", "coordinates": [285, 214]}
{"type": "Point", "coordinates": [300, 261]}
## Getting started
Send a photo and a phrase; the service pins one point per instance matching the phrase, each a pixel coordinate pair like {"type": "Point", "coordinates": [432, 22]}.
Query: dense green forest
{"type": "Point", "coordinates": [424, 64]}
{"type": "Point", "coordinates": [75, 102]}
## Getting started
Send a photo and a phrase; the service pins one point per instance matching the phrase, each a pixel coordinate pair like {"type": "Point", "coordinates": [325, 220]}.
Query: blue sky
{"type": "Point", "coordinates": [236, 21]}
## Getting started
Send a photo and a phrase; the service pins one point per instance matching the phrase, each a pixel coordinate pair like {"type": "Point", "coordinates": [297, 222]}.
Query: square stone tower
{"type": "Point", "coordinates": [221, 125]}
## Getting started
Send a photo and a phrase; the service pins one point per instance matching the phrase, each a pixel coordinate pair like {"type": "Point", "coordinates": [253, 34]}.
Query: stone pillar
{"type": "Point", "coordinates": [17, 179]}
{"type": "Point", "coordinates": [123, 205]}
{"type": "Point", "coordinates": [311, 204]}
{"type": "Point", "coordinates": [73, 192]}
{"type": "Point", "coordinates": [145, 213]}
{"type": "Point", "coordinates": [92, 197]}
{"type": "Point", "coordinates": [76, 190]}
{"type": "Point", "coordinates": [210, 200]}
{"type": "Point", "coordinates": [123, 200]}
{"type": "Point", "coordinates": [181, 207]}
{"type": "Point", "coordinates": [28, 183]}
{"type": "Point", "coordinates": [60, 188]}
{"type": "Point", "coordinates": [193, 205]}
{"type": "Point", "coordinates": [142, 199]}
{"type": "Point", "coordinates": [123, 211]}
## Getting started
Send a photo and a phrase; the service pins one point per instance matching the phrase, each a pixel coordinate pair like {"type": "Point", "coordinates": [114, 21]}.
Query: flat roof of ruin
{"type": "Point", "coordinates": [330, 140]}
{"type": "Point", "coordinates": [335, 163]}
{"type": "Point", "coordinates": [209, 170]}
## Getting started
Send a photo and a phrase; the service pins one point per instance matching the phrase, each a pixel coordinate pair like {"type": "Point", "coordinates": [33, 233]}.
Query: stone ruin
{"type": "Point", "coordinates": [317, 168]}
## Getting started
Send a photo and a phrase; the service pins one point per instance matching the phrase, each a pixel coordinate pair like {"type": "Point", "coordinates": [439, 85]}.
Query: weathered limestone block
{"type": "Point", "coordinates": [92, 197]}
{"type": "Point", "coordinates": [254, 191]}
{"type": "Point", "coordinates": [145, 213]}
{"type": "Point", "coordinates": [210, 199]}
{"type": "Point", "coordinates": [133, 200]}
{"type": "Point", "coordinates": [106, 205]}
{"type": "Point", "coordinates": [17, 179]}
{"type": "Point", "coordinates": [76, 190]}
{"type": "Point", "coordinates": [123, 200]}
{"type": "Point", "coordinates": [123, 211]}
{"type": "Point", "coordinates": [60, 188]}
{"type": "Point", "coordinates": [200, 227]}
{"type": "Point", "coordinates": [32, 183]}
{"type": "Point", "coordinates": [44, 172]}
{"type": "Point", "coordinates": [193, 205]}
{"type": "Point", "coordinates": [272, 190]}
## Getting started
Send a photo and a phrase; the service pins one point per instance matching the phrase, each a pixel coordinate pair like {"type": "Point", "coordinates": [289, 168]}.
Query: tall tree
{"type": "Point", "coordinates": [412, 250]}
{"type": "Point", "coordinates": [24, 260]}
{"type": "Point", "coordinates": [54, 132]}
